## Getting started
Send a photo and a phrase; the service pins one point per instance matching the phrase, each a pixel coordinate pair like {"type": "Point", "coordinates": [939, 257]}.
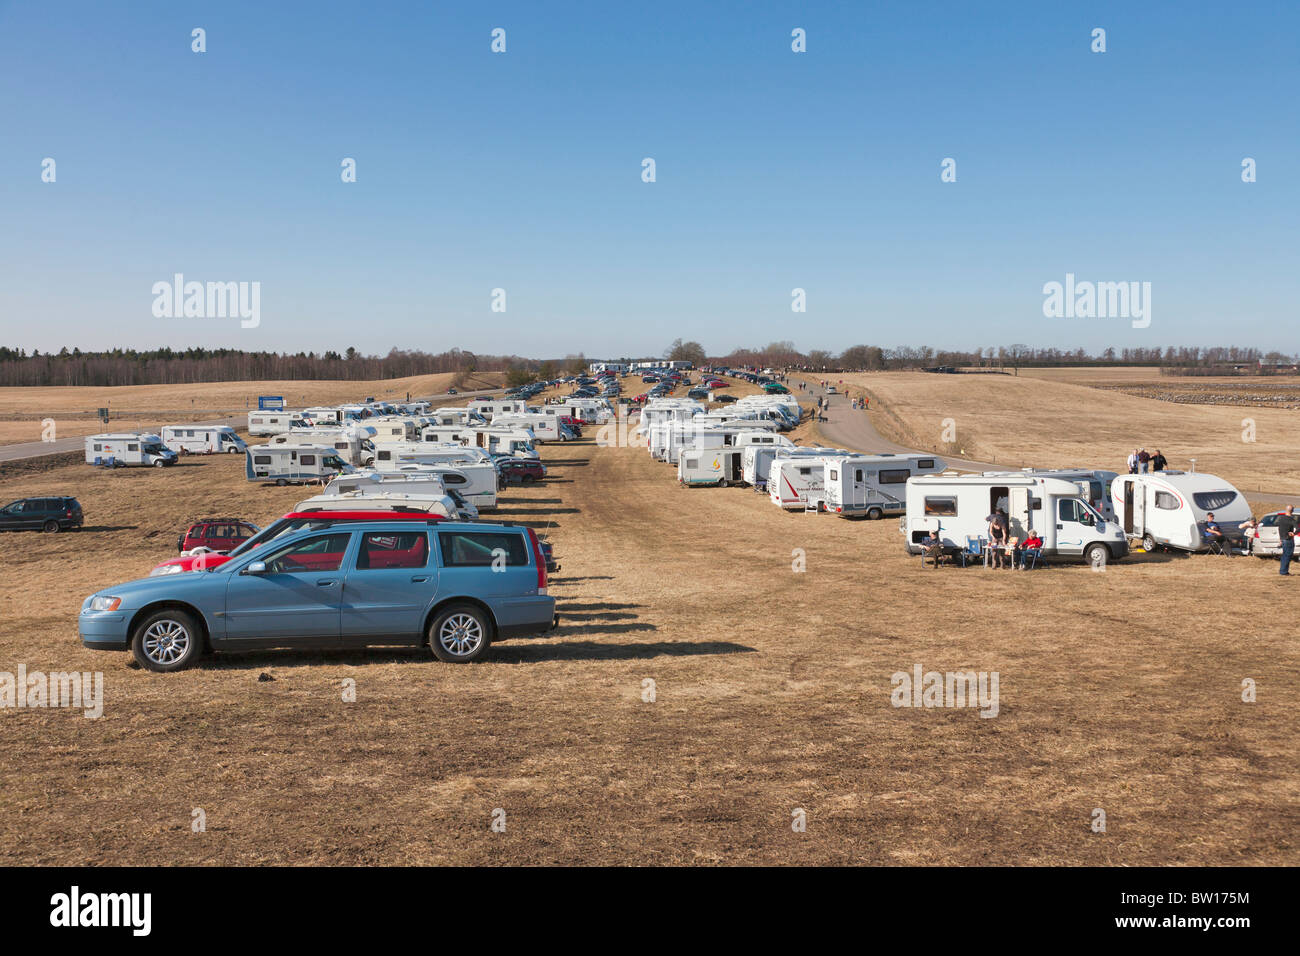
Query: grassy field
{"type": "Point", "coordinates": [1052, 422]}
{"type": "Point", "coordinates": [1118, 690]}
{"type": "Point", "coordinates": [136, 407]}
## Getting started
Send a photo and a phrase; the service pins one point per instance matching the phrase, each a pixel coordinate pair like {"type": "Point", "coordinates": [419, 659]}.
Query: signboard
{"type": "Point", "coordinates": [103, 415]}
{"type": "Point", "coordinates": [270, 403]}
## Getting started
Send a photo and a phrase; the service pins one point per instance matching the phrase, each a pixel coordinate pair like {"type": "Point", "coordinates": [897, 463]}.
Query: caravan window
{"type": "Point", "coordinates": [1213, 500]}
{"type": "Point", "coordinates": [98, 447]}
{"type": "Point", "coordinates": [261, 459]}
{"type": "Point", "coordinates": [805, 471]}
{"type": "Point", "coordinates": [385, 456]}
{"type": "Point", "coordinates": [132, 447]}
{"type": "Point", "coordinates": [925, 463]}
{"type": "Point", "coordinates": [895, 476]}
{"type": "Point", "coordinates": [942, 506]}
{"type": "Point", "coordinates": [307, 460]}
{"type": "Point", "coordinates": [1166, 501]}
{"type": "Point", "coordinates": [857, 475]}
{"type": "Point", "coordinates": [834, 475]}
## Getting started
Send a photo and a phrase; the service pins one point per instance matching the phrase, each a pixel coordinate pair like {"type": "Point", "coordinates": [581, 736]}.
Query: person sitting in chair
{"type": "Point", "coordinates": [1214, 535]}
{"type": "Point", "coordinates": [1031, 543]}
{"type": "Point", "coordinates": [931, 547]}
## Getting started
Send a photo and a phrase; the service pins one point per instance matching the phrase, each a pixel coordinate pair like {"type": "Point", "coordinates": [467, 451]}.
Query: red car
{"type": "Point", "coordinates": [574, 423]}
{"type": "Point", "coordinates": [716, 383]}
{"type": "Point", "coordinates": [216, 534]}
{"type": "Point", "coordinates": [293, 521]}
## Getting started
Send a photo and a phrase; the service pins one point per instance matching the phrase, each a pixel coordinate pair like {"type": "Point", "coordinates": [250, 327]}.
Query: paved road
{"type": "Point", "coordinates": [36, 449]}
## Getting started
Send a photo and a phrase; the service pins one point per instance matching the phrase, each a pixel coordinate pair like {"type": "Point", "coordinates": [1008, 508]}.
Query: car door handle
{"type": "Point", "coordinates": [419, 578]}
{"type": "Point", "coordinates": [328, 582]}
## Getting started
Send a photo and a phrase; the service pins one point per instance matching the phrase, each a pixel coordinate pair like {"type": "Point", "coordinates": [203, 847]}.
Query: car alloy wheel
{"type": "Point", "coordinates": [166, 642]}
{"type": "Point", "coordinates": [461, 634]}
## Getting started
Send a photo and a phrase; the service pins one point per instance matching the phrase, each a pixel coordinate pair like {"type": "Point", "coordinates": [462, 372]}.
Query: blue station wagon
{"type": "Point", "coordinates": [455, 587]}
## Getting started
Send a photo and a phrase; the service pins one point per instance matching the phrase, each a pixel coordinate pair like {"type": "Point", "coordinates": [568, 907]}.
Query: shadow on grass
{"type": "Point", "coordinates": [526, 653]}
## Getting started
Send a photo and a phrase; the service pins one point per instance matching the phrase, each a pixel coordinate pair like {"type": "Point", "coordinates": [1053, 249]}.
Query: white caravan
{"type": "Point", "coordinates": [323, 415]}
{"type": "Point", "coordinates": [397, 455]}
{"type": "Point", "coordinates": [875, 485]}
{"type": "Point", "coordinates": [454, 416]}
{"type": "Point", "coordinates": [545, 427]}
{"type": "Point", "coordinates": [449, 482]}
{"type": "Point", "coordinates": [1170, 507]}
{"type": "Point", "coordinates": [264, 423]}
{"type": "Point", "coordinates": [682, 436]}
{"type": "Point", "coordinates": [293, 464]}
{"type": "Point", "coordinates": [435, 504]}
{"type": "Point", "coordinates": [128, 448]}
{"type": "Point", "coordinates": [490, 408]}
{"type": "Point", "coordinates": [799, 483]}
{"type": "Point", "coordinates": [517, 442]}
{"type": "Point", "coordinates": [393, 428]}
{"type": "Point", "coordinates": [202, 439]}
{"type": "Point", "coordinates": [958, 507]}
{"type": "Point", "coordinates": [756, 462]}
{"type": "Point", "coordinates": [354, 443]}
{"type": "Point", "coordinates": [475, 481]}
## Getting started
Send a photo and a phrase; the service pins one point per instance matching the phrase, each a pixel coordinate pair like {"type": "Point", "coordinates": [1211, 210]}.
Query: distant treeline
{"type": "Point", "coordinates": [175, 366]}
{"type": "Point", "coordinates": [178, 366]}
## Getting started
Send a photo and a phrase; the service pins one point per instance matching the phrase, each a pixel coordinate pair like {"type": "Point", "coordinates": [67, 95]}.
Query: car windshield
{"type": "Point", "coordinates": [275, 530]}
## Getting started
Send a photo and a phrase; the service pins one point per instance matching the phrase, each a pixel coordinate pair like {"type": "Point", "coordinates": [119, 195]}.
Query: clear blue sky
{"type": "Point", "coordinates": [522, 171]}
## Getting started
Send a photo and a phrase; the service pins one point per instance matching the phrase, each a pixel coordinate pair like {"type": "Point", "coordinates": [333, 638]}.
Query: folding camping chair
{"type": "Point", "coordinates": [1029, 558]}
{"type": "Point", "coordinates": [1216, 544]}
{"type": "Point", "coordinates": [974, 549]}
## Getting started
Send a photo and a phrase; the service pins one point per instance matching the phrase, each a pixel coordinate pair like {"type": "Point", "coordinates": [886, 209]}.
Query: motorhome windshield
{"type": "Point", "coordinates": [152, 448]}
{"type": "Point", "coordinates": [334, 462]}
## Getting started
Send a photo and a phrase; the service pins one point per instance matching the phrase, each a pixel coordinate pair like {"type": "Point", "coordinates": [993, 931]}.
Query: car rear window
{"type": "Point", "coordinates": [481, 548]}
{"type": "Point", "coordinates": [382, 550]}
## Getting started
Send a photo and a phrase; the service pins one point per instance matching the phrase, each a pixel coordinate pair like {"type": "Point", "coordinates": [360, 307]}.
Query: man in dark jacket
{"type": "Point", "coordinates": [1286, 527]}
{"type": "Point", "coordinates": [1158, 461]}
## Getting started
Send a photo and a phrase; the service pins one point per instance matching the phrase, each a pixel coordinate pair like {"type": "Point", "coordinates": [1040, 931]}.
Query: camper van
{"type": "Point", "coordinates": [128, 448]}
{"type": "Point", "coordinates": [475, 481]}
{"type": "Point", "coordinates": [263, 423]}
{"type": "Point", "coordinates": [436, 504]}
{"type": "Point", "coordinates": [1098, 484]}
{"type": "Point", "coordinates": [323, 415]}
{"type": "Point", "coordinates": [354, 443]}
{"type": "Point", "coordinates": [404, 483]}
{"type": "Point", "coordinates": [393, 429]}
{"type": "Point", "coordinates": [1168, 508]}
{"type": "Point", "coordinates": [958, 507]}
{"type": "Point", "coordinates": [490, 408]}
{"type": "Point", "coordinates": [395, 455]}
{"type": "Point", "coordinates": [202, 439]}
{"type": "Point", "coordinates": [874, 485]}
{"type": "Point", "coordinates": [545, 426]}
{"type": "Point", "coordinates": [756, 461]}
{"type": "Point", "coordinates": [293, 464]}
{"type": "Point", "coordinates": [799, 483]}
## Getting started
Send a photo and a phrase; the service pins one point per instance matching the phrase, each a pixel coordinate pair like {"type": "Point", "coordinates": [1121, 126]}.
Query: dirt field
{"type": "Point", "coordinates": [1118, 690]}
{"type": "Point", "coordinates": [1036, 420]}
{"type": "Point", "coordinates": [137, 407]}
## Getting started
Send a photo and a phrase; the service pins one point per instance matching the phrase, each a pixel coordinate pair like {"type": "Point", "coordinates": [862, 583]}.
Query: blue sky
{"type": "Point", "coordinates": [522, 171]}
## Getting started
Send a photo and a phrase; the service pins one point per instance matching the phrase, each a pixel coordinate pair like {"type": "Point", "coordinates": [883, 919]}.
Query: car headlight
{"type": "Point", "coordinates": [102, 602]}
{"type": "Point", "coordinates": [166, 569]}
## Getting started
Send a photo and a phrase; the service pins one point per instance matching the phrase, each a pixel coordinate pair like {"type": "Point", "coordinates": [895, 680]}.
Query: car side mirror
{"type": "Point", "coordinates": [257, 567]}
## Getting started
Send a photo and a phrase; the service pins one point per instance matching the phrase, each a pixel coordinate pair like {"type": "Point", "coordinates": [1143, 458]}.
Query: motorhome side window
{"type": "Point", "coordinates": [132, 447]}
{"type": "Point", "coordinates": [480, 549]}
{"type": "Point", "coordinates": [308, 459]}
{"type": "Point", "coordinates": [805, 471]}
{"type": "Point", "coordinates": [925, 463]}
{"type": "Point", "coordinates": [261, 459]}
{"type": "Point", "coordinates": [1166, 502]}
{"type": "Point", "coordinates": [857, 474]}
{"type": "Point", "coordinates": [895, 476]}
{"type": "Point", "coordinates": [98, 447]}
{"type": "Point", "coordinates": [385, 456]}
{"type": "Point", "coordinates": [941, 506]}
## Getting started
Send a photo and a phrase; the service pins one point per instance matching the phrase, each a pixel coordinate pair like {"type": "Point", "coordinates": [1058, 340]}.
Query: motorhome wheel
{"type": "Point", "coordinates": [1097, 555]}
{"type": "Point", "coordinates": [874, 514]}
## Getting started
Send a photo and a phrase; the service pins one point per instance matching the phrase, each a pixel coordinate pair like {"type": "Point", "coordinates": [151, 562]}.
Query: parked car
{"type": "Point", "coordinates": [512, 471]}
{"type": "Point", "coordinates": [452, 390]}
{"type": "Point", "coordinates": [1266, 543]}
{"type": "Point", "coordinates": [776, 388]}
{"type": "Point", "coordinates": [41, 514]}
{"type": "Point", "coordinates": [216, 534]}
{"type": "Point", "coordinates": [716, 383]}
{"type": "Point", "coordinates": [725, 399]}
{"type": "Point", "coordinates": [831, 390]}
{"type": "Point", "coordinates": [455, 587]}
{"type": "Point", "coordinates": [293, 521]}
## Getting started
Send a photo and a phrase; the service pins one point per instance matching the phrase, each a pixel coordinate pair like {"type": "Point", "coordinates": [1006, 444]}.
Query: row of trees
{"type": "Point", "coordinates": [167, 366]}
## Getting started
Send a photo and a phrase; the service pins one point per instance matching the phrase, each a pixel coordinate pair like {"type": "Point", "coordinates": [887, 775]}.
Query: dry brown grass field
{"type": "Point", "coordinates": [1120, 690]}
{"type": "Point", "coordinates": [1042, 421]}
{"type": "Point", "coordinates": [147, 406]}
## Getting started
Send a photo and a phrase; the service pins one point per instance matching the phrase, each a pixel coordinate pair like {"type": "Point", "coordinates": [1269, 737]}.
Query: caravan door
{"type": "Point", "coordinates": [1018, 513]}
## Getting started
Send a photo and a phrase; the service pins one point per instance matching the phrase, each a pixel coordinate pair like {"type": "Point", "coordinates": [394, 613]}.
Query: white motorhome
{"type": "Point", "coordinates": [1098, 483]}
{"type": "Point", "coordinates": [393, 429]}
{"type": "Point", "coordinates": [799, 483]}
{"type": "Point", "coordinates": [958, 507]}
{"type": "Point", "coordinates": [396, 455]}
{"type": "Point", "coordinates": [454, 416]}
{"type": "Point", "coordinates": [545, 427]}
{"type": "Point", "coordinates": [435, 504]}
{"type": "Point", "coordinates": [475, 481]}
{"type": "Point", "coordinates": [874, 485]}
{"type": "Point", "coordinates": [354, 443]}
{"type": "Point", "coordinates": [323, 415]}
{"type": "Point", "coordinates": [202, 439]}
{"type": "Point", "coordinates": [490, 408]}
{"type": "Point", "coordinates": [1169, 508]}
{"type": "Point", "coordinates": [128, 448]}
{"type": "Point", "coordinates": [504, 440]}
{"type": "Point", "coordinates": [428, 482]}
{"type": "Point", "coordinates": [293, 464]}
{"type": "Point", "coordinates": [262, 423]}
{"type": "Point", "coordinates": [756, 462]}
{"type": "Point", "coordinates": [681, 436]}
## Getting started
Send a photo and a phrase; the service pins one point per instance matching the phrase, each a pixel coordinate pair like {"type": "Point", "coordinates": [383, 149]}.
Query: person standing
{"type": "Point", "coordinates": [1286, 527]}
{"type": "Point", "coordinates": [1133, 462]}
{"type": "Point", "coordinates": [1144, 461]}
{"type": "Point", "coordinates": [1158, 461]}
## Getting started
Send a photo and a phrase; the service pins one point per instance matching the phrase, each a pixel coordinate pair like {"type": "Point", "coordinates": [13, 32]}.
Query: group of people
{"type": "Point", "coordinates": [1140, 461]}
{"type": "Point", "coordinates": [1287, 527]}
{"type": "Point", "coordinates": [1003, 550]}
